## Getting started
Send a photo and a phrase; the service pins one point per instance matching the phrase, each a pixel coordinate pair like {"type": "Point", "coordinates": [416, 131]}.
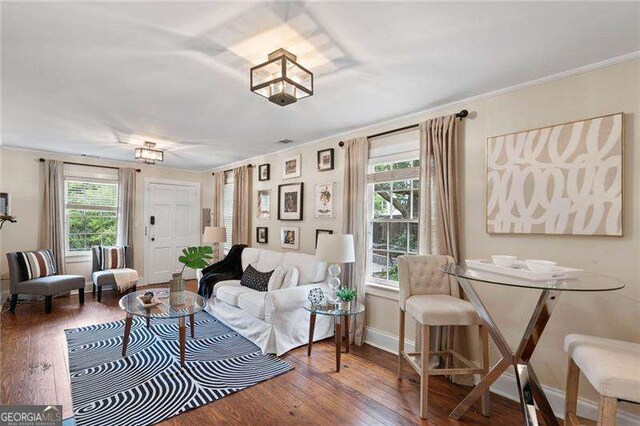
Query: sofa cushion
{"type": "Point", "coordinates": [275, 282]}
{"type": "Point", "coordinates": [311, 271]}
{"type": "Point", "coordinates": [253, 303]}
{"type": "Point", "coordinates": [51, 285]}
{"type": "Point", "coordinates": [255, 279]}
{"type": "Point", "coordinates": [250, 255]}
{"type": "Point", "coordinates": [224, 283]}
{"type": "Point", "coordinates": [229, 294]}
{"type": "Point", "coordinates": [268, 260]}
{"type": "Point", "coordinates": [291, 278]}
{"type": "Point", "coordinates": [112, 257]}
{"type": "Point", "coordinates": [101, 278]}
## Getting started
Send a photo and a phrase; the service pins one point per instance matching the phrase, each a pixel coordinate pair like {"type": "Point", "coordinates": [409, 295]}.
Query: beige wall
{"type": "Point", "coordinates": [615, 314]}
{"type": "Point", "coordinates": [310, 177]}
{"type": "Point", "coordinates": [21, 174]}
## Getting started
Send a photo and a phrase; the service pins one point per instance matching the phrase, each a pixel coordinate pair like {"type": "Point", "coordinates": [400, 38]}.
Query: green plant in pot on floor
{"type": "Point", "coordinates": [194, 258]}
{"type": "Point", "coordinates": [346, 296]}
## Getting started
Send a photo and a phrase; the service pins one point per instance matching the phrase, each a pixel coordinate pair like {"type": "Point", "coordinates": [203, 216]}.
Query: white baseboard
{"type": "Point", "coordinates": [506, 385]}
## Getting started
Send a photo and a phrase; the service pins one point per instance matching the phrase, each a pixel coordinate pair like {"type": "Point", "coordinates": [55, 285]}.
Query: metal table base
{"type": "Point", "coordinates": [529, 387]}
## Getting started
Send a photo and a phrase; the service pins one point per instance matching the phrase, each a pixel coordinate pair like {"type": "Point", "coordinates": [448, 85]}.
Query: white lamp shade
{"type": "Point", "coordinates": [335, 248]}
{"type": "Point", "coordinates": [214, 234]}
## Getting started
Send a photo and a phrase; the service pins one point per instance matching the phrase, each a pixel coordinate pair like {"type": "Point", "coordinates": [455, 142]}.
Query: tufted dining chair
{"type": "Point", "coordinates": [432, 298]}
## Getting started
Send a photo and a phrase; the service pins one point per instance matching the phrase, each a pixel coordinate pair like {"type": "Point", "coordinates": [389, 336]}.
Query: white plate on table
{"type": "Point", "coordinates": [520, 270]}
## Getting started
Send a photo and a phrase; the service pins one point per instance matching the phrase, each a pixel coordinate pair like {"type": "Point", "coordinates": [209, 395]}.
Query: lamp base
{"type": "Point", "coordinates": [334, 282]}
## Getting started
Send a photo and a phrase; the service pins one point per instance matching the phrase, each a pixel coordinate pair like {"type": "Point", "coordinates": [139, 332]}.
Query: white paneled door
{"type": "Point", "coordinates": [172, 223]}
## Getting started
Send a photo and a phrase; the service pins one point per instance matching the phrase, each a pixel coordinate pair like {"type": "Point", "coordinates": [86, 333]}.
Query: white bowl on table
{"type": "Point", "coordinates": [503, 260]}
{"type": "Point", "coordinates": [538, 265]}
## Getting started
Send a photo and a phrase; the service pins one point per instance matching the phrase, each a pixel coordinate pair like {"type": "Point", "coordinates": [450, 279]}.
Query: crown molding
{"type": "Point", "coordinates": [412, 117]}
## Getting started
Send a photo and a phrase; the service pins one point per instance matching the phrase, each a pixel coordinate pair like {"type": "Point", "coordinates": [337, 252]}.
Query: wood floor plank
{"type": "Point", "coordinates": [366, 391]}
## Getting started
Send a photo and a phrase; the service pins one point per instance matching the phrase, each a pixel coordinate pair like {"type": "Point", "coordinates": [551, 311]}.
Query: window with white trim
{"type": "Point", "coordinates": [393, 183]}
{"type": "Point", "coordinates": [91, 214]}
{"type": "Point", "coordinates": [228, 209]}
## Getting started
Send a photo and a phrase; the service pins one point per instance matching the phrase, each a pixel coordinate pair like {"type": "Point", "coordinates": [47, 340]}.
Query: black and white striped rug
{"type": "Point", "coordinates": [149, 385]}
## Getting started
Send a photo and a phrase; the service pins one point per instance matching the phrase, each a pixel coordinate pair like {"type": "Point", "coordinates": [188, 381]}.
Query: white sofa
{"type": "Point", "coordinates": [274, 320]}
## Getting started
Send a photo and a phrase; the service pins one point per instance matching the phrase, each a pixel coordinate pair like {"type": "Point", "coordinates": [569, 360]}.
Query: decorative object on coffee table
{"type": "Point", "coordinates": [315, 296]}
{"type": "Point", "coordinates": [335, 249]}
{"type": "Point", "coordinates": [194, 258]}
{"type": "Point", "coordinates": [340, 317]}
{"type": "Point", "coordinates": [346, 295]}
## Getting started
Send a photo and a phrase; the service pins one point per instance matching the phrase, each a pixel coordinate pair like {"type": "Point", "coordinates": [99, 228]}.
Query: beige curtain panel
{"type": "Point", "coordinates": [241, 229]}
{"type": "Point", "coordinates": [356, 153]}
{"type": "Point", "coordinates": [52, 231]}
{"type": "Point", "coordinates": [217, 214]}
{"type": "Point", "coordinates": [439, 208]}
{"type": "Point", "coordinates": [126, 207]}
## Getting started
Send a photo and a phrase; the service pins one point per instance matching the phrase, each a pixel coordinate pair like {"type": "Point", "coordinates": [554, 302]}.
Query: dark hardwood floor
{"type": "Point", "coordinates": [35, 371]}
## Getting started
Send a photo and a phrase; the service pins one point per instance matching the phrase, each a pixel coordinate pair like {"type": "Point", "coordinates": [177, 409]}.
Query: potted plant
{"type": "Point", "coordinates": [346, 295]}
{"type": "Point", "coordinates": [192, 257]}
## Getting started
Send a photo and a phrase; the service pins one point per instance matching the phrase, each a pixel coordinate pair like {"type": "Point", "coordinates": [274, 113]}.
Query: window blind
{"type": "Point", "coordinates": [395, 147]}
{"type": "Point", "coordinates": [91, 195]}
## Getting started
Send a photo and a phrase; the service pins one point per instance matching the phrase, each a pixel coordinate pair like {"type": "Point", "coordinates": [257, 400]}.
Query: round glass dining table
{"type": "Point", "coordinates": [529, 386]}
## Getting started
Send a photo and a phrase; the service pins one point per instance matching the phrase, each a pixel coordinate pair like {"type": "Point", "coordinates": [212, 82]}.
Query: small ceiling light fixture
{"type": "Point", "coordinates": [281, 79]}
{"type": "Point", "coordinates": [149, 154]}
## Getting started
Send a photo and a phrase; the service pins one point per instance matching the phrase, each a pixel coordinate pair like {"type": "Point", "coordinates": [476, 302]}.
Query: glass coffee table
{"type": "Point", "coordinates": [189, 304]}
{"type": "Point", "coordinates": [339, 316]}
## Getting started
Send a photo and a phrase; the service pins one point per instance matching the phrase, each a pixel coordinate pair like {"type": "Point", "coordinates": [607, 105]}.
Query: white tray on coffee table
{"type": "Point", "coordinates": [520, 270]}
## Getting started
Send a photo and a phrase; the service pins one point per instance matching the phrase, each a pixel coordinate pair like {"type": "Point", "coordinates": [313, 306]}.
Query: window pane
{"type": "Point", "coordinates": [416, 184]}
{"type": "Point", "coordinates": [416, 205]}
{"type": "Point", "coordinates": [76, 243]}
{"type": "Point", "coordinates": [379, 264]}
{"type": "Point", "coordinates": [401, 205]}
{"type": "Point", "coordinates": [413, 237]}
{"type": "Point", "coordinates": [402, 184]}
{"type": "Point", "coordinates": [398, 236]}
{"type": "Point", "coordinates": [393, 266]}
{"type": "Point", "coordinates": [402, 165]}
{"type": "Point", "coordinates": [385, 186]}
{"type": "Point", "coordinates": [416, 163]}
{"type": "Point", "coordinates": [381, 204]}
{"type": "Point", "coordinates": [382, 167]}
{"type": "Point", "coordinates": [379, 235]}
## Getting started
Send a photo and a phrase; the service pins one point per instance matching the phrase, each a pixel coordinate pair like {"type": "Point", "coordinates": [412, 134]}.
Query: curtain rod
{"type": "Point", "coordinates": [462, 114]}
{"type": "Point", "coordinates": [42, 160]}
{"type": "Point", "coordinates": [230, 170]}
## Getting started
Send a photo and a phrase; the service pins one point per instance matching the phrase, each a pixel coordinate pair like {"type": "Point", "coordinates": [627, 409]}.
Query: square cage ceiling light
{"type": "Point", "coordinates": [281, 79]}
{"type": "Point", "coordinates": [149, 154]}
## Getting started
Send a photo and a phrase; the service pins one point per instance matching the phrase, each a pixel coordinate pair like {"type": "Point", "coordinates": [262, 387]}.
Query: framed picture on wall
{"type": "Point", "coordinates": [291, 167]}
{"type": "Point", "coordinates": [325, 160]}
{"type": "Point", "coordinates": [264, 172]}
{"type": "Point", "coordinates": [320, 232]}
{"type": "Point", "coordinates": [290, 196]}
{"type": "Point", "coordinates": [290, 237]}
{"type": "Point", "coordinates": [262, 234]}
{"type": "Point", "coordinates": [264, 204]}
{"type": "Point", "coordinates": [324, 200]}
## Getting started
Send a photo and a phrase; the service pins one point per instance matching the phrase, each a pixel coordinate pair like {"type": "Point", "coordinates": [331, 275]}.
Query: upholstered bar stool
{"type": "Point", "coordinates": [611, 366]}
{"type": "Point", "coordinates": [432, 298]}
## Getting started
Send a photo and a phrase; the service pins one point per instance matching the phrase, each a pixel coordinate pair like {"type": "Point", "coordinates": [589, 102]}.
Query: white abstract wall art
{"type": "Point", "coordinates": [563, 179]}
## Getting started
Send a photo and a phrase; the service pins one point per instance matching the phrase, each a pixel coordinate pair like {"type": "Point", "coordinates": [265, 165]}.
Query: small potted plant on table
{"type": "Point", "coordinates": [346, 295]}
{"type": "Point", "coordinates": [192, 257]}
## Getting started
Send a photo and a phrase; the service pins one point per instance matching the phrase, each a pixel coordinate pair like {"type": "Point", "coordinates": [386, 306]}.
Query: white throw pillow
{"type": "Point", "coordinates": [275, 282]}
{"type": "Point", "coordinates": [291, 277]}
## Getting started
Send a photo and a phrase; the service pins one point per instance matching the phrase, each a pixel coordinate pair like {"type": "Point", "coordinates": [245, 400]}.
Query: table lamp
{"type": "Point", "coordinates": [335, 249]}
{"type": "Point", "coordinates": [215, 235]}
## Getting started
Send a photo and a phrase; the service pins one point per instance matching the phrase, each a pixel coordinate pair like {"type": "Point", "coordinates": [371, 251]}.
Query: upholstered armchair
{"type": "Point", "coordinates": [432, 298]}
{"type": "Point", "coordinates": [106, 277]}
{"type": "Point", "coordinates": [48, 286]}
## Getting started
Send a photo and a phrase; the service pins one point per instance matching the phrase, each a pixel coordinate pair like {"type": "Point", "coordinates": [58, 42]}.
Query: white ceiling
{"type": "Point", "coordinates": [93, 78]}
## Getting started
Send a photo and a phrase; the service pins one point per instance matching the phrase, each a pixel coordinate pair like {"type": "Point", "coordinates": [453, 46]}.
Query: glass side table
{"type": "Point", "coordinates": [339, 316]}
{"type": "Point", "coordinates": [193, 304]}
{"type": "Point", "coordinates": [530, 389]}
